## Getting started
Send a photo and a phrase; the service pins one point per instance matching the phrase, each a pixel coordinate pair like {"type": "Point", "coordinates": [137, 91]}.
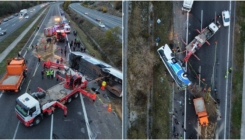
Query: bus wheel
{"type": "Point", "coordinates": [37, 120]}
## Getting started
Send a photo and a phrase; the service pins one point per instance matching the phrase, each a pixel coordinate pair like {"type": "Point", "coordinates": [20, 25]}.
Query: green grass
{"type": "Point", "coordinates": [162, 90]}
{"type": "Point", "coordinates": [237, 81]}
{"type": "Point", "coordinates": [7, 41]}
{"type": "Point", "coordinates": [85, 29]}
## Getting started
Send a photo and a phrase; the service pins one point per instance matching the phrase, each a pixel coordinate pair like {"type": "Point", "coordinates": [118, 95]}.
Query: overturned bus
{"type": "Point", "coordinates": [95, 68]}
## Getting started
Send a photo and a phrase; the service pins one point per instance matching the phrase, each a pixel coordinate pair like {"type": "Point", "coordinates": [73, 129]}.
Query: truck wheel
{"type": "Point", "coordinates": [75, 95]}
{"type": "Point", "coordinates": [37, 120]}
{"type": "Point", "coordinates": [69, 100]}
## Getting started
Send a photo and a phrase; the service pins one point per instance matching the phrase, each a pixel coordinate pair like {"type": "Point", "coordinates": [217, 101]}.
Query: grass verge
{"type": "Point", "coordinates": [105, 40]}
{"type": "Point", "coordinates": [7, 41]}
{"type": "Point", "coordinates": [161, 85]}
{"type": "Point", "coordinates": [238, 63]}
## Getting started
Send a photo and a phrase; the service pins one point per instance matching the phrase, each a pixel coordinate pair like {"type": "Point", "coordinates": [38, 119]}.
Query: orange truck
{"type": "Point", "coordinates": [15, 75]}
{"type": "Point", "coordinates": [201, 111]}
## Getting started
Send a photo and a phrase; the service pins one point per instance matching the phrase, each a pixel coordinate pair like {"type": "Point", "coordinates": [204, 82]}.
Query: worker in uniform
{"type": "Point", "coordinates": [39, 58]}
{"type": "Point", "coordinates": [47, 73]}
{"type": "Point", "coordinates": [71, 82]}
{"type": "Point", "coordinates": [51, 72]}
{"type": "Point", "coordinates": [42, 73]}
{"type": "Point", "coordinates": [103, 85]}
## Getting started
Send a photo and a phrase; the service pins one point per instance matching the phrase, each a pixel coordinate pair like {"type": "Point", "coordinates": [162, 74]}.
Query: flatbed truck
{"type": "Point", "coordinates": [31, 108]}
{"type": "Point", "coordinates": [15, 75]}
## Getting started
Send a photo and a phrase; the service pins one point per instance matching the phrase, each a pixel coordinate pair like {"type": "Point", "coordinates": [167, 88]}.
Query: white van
{"type": "Point", "coordinates": [187, 5]}
{"type": "Point", "coordinates": [67, 28]}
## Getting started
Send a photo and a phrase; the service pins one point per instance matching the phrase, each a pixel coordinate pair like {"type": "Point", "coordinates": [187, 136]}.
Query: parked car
{"type": "Point", "coordinates": [86, 13]}
{"type": "Point", "coordinates": [2, 32]}
{"type": "Point", "coordinates": [97, 19]}
{"type": "Point", "coordinates": [226, 18]}
{"type": "Point", "coordinates": [27, 16]}
{"type": "Point", "coordinates": [102, 25]}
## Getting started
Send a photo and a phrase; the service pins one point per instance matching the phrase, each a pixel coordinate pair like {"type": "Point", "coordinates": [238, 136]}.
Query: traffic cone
{"type": "Point", "coordinates": [102, 88]}
{"type": "Point", "coordinates": [109, 108]}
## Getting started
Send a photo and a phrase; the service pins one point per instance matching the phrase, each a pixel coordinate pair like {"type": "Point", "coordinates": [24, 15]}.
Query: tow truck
{"type": "Point", "coordinates": [199, 40]}
{"type": "Point", "coordinates": [31, 108]}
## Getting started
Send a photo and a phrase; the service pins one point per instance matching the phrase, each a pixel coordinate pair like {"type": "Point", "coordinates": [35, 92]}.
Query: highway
{"type": "Point", "coordinates": [214, 61]}
{"type": "Point", "coordinates": [110, 21]}
{"type": "Point", "coordinates": [14, 23]}
{"type": "Point", "coordinates": [100, 124]}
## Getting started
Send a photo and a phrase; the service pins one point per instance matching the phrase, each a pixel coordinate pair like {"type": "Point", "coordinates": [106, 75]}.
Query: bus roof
{"type": "Point", "coordinates": [107, 68]}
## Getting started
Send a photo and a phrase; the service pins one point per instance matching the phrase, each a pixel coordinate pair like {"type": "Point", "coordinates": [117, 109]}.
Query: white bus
{"type": "Point", "coordinates": [94, 68]}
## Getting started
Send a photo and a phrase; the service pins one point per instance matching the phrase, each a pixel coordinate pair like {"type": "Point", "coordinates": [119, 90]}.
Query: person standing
{"type": "Point", "coordinates": [65, 52]}
{"type": "Point", "coordinates": [51, 73]}
{"type": "Point", "coordinates": [19, 53]}
{"type": "Point", "coordinates": [71, 44]}
{"type": "Point", "coordinates": [47, 73]}
{"type": "Point", "coordinates": [42, 73]}
{"type": "Point", "coordinates": [61, 51]}
{"type": "Point", "coordinates": [39, 58]}
{"type": "Point", "coordinates": [36, 48]}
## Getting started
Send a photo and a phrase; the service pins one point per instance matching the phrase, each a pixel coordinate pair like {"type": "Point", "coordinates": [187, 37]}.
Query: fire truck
{"type": "Point", "coordinates": [31, 108]}
{"type": "Point", "coordinates": [199, 40]}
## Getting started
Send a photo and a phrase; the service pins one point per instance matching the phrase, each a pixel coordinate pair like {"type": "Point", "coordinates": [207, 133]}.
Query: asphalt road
{"type": "Point", "coordinates": [101, 123]}
{"type": "Point", "coordinates": [110, 21]}
{"type": "Point", "coordinates": [14, 23]}
{"type": "Point", "coordinates": [211, 67]}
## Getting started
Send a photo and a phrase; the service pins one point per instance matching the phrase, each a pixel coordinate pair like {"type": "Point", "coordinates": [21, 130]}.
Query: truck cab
{"type": "Point", "coordinates": [187, 5]}
{"type": "Point", "coordinates": [27, 109]}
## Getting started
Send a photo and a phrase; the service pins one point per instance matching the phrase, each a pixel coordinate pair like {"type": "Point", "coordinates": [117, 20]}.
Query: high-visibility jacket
{"type": "Point", "coordinates": [104, 83]}
{"type": "Point", "coordinates": [51, 72]}
{"type": "Point", "coordinates": [47, 72]}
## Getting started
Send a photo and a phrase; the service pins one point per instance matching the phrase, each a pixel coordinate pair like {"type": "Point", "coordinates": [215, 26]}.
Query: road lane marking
{"type": "Point", "coordinates": [28, 85]}
{"type": "Point", "coordinates": [86, 118]}
{"type": "Point", "coordinates": [36, 31]}
{"type": "Point", "coordinates": [36, 69]}
{"type": "Point", "coordinates": [201, 19]}
{"type": "Point", "coordinates": [16, 130]}
{"type": "Point", "coordinates": [227, 80]}
{"type": "Point", "coordinates": [51, 129]}
{"type": "Point", "coordinates": [1, 94]}
{"type": "Point", "coordinates": [186, 40]}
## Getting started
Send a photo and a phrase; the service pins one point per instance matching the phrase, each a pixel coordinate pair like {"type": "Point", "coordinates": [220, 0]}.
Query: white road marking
{"type": "Point", "coordinates": [28, 85]}
{"type": "Point", "coordinates": [51, 129]}
{"type": "Point", "coordinates": [16, 130]}
{"type": "Point", "coordinates": [186, 40]}
{"type": "Point", "coordinates": [201, 18]}
{"type": "Point", "coordinates": [36, 69]}
{"type": "Point", "coordinates": [36, 33]}
{"type": "Point", "coordinates": [86, 117]}
{"type": "Point", "coordinates": [227, 80]}
{"type": "Point", "coordinates": [1, 94]}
